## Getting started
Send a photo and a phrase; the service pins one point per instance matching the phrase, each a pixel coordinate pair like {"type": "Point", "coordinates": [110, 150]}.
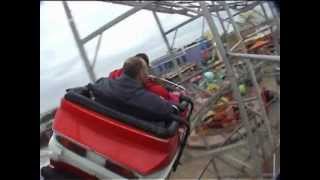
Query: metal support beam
{"type": "Point", "coordinates": [186, 22]}
{"type": "Point", "coordinates": [182, 24]}
{"type": "Point", "coordinates": [176, 66]}
{"type": "Point", "coordinates": [277, 19]}
{"type": "Point", "coordinates": [238, 161]}
{"type": "Point", "coordinates": [274, 37]}
{"type": "Point", "coordinates": [174, 39]}
{"type": "Point", "coordinates": [274, 13]}
{"type": "Point", "coordinates": [162, 31]}
{"type": "Point", "coordinates": [194, 18]}
{"type": "Point", "coordinates": [215, 168]}
{"type": "Point", "coordinates": [221, 22]}
{"type": "Point", "coordinates": [80, 46]}
{"type": "Point", "coordinates": [202, 26]}
{"type": "Point", "coordinates": [270, 58]}
{"type": "Point", "coordinates": [232, 165]}
{"type": "Point", "coordinates": [97, 51]}
{"type": "Point", "coordinates": [264, 11]}
{"type": "Point", "coordinates": [218, 151]}
{"type": "Point", "coordinates": [183, 7]}
{"type": "Point", "coordinates": [262, 30]}
{"type": "Point", "coordinates": [115, 21]}
{"type": "Point", "coordinates": [220, 157]}
{"type": "Point", "coordinates": [235, 45]}
{"type": "Point", "coordinates": [234, 84]}
{"type": "Point", "coordinates": [242, 10]}
{"type": "Point", "coordinates": [154, 7]}
{"type": "Point", "coordinates": [253, 78]}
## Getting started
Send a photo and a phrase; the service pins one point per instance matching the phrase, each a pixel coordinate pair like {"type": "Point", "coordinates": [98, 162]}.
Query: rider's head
{"type": "Point", "coordinates": [136, 68]}
{"type": "Point", "coordinates": [144, 57]}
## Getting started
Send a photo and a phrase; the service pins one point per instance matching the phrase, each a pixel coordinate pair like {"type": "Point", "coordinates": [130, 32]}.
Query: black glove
{"type": "Point", "coordinates": [185, 98]}
{"type": "Point", "coordinates": [183, 106]}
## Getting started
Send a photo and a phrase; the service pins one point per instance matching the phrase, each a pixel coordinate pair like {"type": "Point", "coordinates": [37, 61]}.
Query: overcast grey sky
{"type": "Point", "coordinates": [60, 64]}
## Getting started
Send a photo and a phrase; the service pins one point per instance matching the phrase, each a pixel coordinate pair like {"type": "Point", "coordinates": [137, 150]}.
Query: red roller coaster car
{"type": "Point", "coordinates": [93, 141]}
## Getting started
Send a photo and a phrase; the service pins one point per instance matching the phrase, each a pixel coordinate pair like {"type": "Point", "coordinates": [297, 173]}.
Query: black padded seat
{"type": "Point", "coordinates": [127, 114]}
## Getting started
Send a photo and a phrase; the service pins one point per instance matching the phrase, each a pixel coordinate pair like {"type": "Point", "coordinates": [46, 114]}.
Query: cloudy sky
{"type": "Point", "coordinates": [60, 64]}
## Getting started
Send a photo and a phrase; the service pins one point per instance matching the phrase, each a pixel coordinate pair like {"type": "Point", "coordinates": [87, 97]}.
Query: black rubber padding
{"type": "Point", "coordinates": [81, 96]}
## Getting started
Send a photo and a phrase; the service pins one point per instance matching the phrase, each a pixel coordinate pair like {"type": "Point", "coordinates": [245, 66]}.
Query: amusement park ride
{"type": "Point", "coordinates": [93, 141]}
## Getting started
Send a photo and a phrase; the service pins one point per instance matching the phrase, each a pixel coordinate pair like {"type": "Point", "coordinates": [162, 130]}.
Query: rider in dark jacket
{"type": "Point", "coordinates": [129, 89]}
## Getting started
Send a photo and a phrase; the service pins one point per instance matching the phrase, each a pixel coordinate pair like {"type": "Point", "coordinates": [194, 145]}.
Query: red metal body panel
{"type": "Point", "coordinates": [124, 145]}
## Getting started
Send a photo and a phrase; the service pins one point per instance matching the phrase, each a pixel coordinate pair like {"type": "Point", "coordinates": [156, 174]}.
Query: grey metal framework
{"type": "Point", "coordinates": [205, 9]}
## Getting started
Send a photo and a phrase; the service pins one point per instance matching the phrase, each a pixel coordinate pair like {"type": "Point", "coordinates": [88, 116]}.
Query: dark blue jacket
{"type": "Point", "coordinates": [133, 93]}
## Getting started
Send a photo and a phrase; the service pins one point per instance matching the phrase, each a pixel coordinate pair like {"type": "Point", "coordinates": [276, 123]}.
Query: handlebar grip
{"type": "Point", "coordinates": [185, 98]}
{"type": "Point", "coordinates": [183, 106]}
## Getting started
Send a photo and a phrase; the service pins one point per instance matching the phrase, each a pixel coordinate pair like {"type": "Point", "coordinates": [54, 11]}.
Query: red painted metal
{"type": "Point", "coordinates": [126, 146]}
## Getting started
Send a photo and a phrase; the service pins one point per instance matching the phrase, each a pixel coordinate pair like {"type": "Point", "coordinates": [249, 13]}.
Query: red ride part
{"type": "Point", "coordinates": [126, 146]}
